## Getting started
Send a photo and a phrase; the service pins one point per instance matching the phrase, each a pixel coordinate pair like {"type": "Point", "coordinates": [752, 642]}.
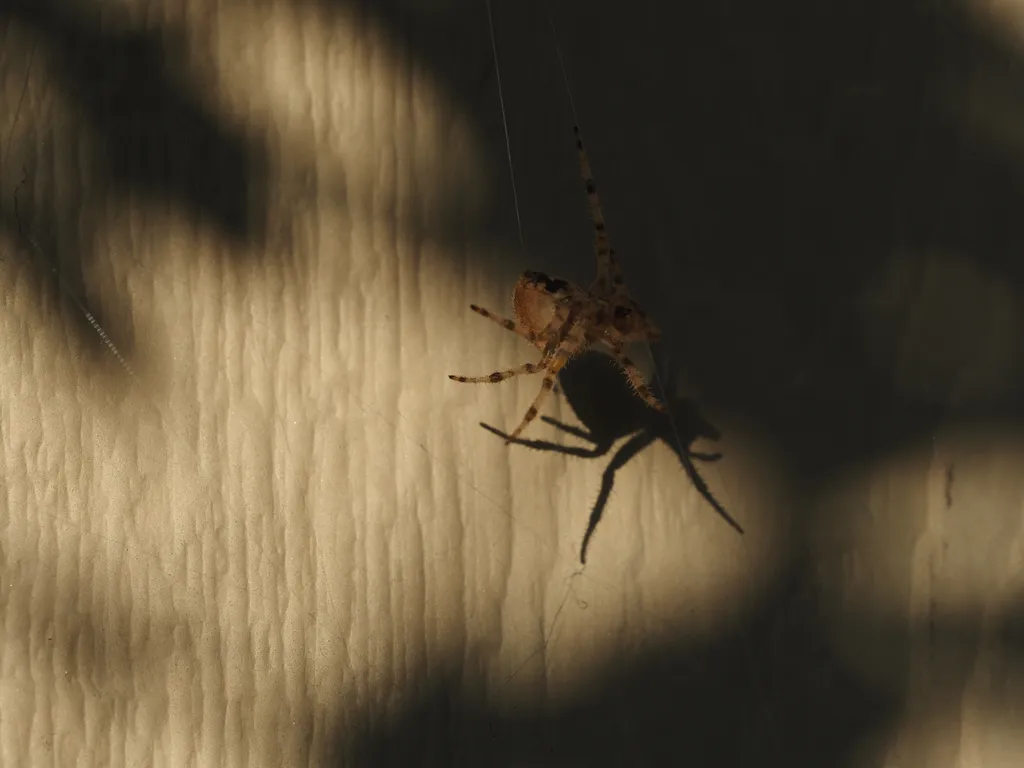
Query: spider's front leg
{"type": "Point", "coordinates": [558, 361]}
{"type": "Point", "coordinates": [497, 376]}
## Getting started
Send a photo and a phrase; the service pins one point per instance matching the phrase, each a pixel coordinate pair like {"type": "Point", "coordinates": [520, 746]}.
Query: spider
{"type": "Point", "coordinates": [563, 320]}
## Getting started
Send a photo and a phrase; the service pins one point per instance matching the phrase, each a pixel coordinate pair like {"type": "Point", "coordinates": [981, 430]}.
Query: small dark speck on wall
{"type": "Point", "coordinates": [949, 486]}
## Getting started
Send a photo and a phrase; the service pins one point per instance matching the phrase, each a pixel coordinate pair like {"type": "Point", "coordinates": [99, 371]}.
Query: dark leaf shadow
{"type": "Point", "coordinates": [772, 690]}
{"type": "Point", "coordinates": [768, 691]}
{"type": "Point", "coordinates": [843, 195]}
{"type": "Point", "coordinates": [139, 103]}
{"type": "Point", "coordinates": [150, 135]}
{"type": "Point", "coordinates": [597, 392]}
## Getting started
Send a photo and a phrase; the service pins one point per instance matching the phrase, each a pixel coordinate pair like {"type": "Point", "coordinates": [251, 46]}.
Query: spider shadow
{"type": "Point", "coordinates": [609, 411]}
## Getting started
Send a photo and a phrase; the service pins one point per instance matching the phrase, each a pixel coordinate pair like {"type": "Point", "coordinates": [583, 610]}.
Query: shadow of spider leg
{"type": "Point", "coordinates": [598, 450]}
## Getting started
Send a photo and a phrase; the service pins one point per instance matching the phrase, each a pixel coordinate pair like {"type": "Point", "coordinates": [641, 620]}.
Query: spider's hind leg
{"type": "Point", "coordinates": [636, 380]}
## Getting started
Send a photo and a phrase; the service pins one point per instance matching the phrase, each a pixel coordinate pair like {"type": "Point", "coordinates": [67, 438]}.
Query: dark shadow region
{"type": "Point", "coordinates": [787, 187]}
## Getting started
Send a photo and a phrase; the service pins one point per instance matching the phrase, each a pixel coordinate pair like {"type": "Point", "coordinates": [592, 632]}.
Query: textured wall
{"type": "Point", "coordinates": [270, 531]}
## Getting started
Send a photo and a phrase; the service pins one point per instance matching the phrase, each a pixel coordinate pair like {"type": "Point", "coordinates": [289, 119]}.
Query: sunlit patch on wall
{"type": "Point", "coordinates": [340, 100]}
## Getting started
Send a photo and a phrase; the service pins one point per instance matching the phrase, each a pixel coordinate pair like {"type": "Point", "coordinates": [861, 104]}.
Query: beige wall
{"type": "Point", "coordinates": [269, 530]}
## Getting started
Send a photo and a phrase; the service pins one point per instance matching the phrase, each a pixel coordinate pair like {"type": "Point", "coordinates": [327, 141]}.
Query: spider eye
{"type": "Point", "coordinates": [622, 312]}
{"type": "Point", "coordinates": [553, 286]}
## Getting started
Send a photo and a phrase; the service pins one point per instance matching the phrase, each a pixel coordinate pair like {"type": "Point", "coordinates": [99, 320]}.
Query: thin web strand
{"type": "Point", "coordinates": [504, 122]}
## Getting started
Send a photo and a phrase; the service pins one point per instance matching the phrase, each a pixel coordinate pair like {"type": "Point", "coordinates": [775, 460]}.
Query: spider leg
{"type": "Point", "coordinates": [494, 378]}
{"type": "Point", "coordinates": [609, 275]}
{"type": "Point", "coordinates": [559, 359]}
{"type": "Point", "coordinates": [633, 374]}
{"type": "Point", "coordinates": [508, 325]}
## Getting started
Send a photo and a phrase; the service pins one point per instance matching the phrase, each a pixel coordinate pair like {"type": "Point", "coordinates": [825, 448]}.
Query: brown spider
{"type": "Point", "coordinates": [562, 320]}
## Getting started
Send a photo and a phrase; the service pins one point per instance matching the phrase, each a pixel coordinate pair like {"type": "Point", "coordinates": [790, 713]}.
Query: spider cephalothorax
{"type": "Point", "coordinates": [562, 319]}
